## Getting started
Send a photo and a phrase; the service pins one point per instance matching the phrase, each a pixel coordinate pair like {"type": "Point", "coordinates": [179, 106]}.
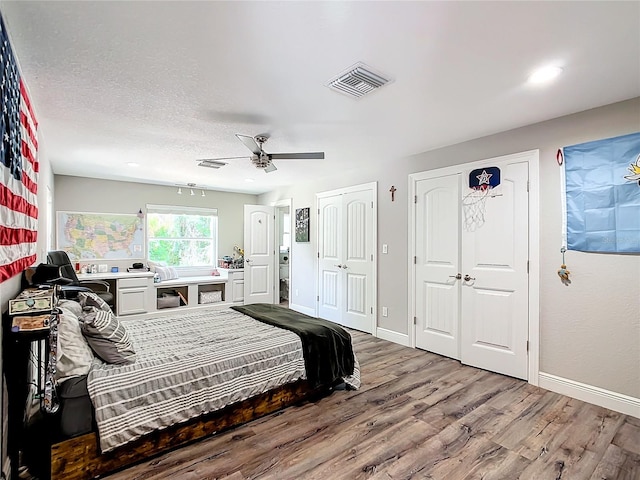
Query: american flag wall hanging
{"type": "Point", "coordinates": [19, 177]}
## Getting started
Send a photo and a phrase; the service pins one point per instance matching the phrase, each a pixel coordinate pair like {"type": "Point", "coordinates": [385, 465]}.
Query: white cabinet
{"type": "Point", "coordinates": [133, 291]}
{"type": "Point", "coordinates": [236, 280]}
{"type": "Point", "coordinates": [132, 295]}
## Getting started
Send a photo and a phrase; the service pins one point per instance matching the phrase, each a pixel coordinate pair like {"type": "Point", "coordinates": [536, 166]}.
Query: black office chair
{"type": "Point", "coordinates": [99, 287]}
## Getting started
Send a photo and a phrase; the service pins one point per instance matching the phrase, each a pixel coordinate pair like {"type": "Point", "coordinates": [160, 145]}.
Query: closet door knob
{"type": "Point", "coordinates": [339, 266]}
{"type": "Point", "coordinates": [467, 278]}
{"type": "Point", "coordinates": [457, 277]}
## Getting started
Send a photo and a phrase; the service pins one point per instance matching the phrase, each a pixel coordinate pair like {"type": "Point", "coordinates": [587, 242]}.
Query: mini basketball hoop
{"type": "Point", "coordinates": [474, 203]}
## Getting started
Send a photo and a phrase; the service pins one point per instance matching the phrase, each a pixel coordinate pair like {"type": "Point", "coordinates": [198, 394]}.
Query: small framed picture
{"type": "Point", "coordinates": [302, 224]}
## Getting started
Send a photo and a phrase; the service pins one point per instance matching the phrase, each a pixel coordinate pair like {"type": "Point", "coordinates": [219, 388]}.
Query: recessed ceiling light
{"type": "Point", "coordinates": [544, 75]}
{"type": "Point", "coordinates": [248, 180]}
{"type": "Point", "coordinates": [133, 164]}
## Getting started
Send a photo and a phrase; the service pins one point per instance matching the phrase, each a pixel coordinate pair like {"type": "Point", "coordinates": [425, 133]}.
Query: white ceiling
{"type": "Point", "coordinates": [165, 83]}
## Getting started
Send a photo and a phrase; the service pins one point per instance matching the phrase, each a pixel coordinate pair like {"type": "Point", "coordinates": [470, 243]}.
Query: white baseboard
{"type": "Point", "coordinates": [390, 335]}
{"type": "Point", "coordinates": [588, 393]}
{"type": "Point", "coordinates": [302, 309]}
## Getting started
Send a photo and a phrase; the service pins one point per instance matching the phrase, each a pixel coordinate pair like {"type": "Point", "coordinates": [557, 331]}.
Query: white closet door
{"type": "Point", "coordinates": [495, 298]}
{"type": "Point", "coordinates": [346, 257]}
{"type": "Point", "coordinates": [330, 252]}
{"type": "Point", "coordinates": [481, 319]}
{"type": "Point", "coordinates": [357, 259]}
{"type": "Point", "coordinates": [437, 265]}
{"type": "Point", "coordinates": [259, 254]}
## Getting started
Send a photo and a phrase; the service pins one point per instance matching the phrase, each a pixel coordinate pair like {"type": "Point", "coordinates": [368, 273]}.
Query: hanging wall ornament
{"type": "Point", "coordinates": [563, 273]}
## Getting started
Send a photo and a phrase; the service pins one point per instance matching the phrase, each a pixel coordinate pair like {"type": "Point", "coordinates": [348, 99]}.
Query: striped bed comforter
{"type": "Point", "coordinates": [189, 364]}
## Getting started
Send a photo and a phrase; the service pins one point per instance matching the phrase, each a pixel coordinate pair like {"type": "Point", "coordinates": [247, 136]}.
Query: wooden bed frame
{"type": "Point", "coordinates": [80, 458]}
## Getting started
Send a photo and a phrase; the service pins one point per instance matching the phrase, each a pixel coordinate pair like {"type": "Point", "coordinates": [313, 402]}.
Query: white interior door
{"type": "Point", "coordinates": [346, 257]}
{"type": "Point", "coordinates": [330, 247]}
{"type": "Point", "coordinates": [259, 254]}
{"type": "Point", "coordinates": [495, 296]}
{"type": "Point", "coordinates": [437, 265]}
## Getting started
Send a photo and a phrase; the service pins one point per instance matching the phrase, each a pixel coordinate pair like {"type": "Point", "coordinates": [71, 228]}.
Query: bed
{"type": "Point", "coordinates": [194, 373]}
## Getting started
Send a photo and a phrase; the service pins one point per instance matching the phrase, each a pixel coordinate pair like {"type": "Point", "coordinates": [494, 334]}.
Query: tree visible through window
{"type": "Point", "coordinates": [181, 236]}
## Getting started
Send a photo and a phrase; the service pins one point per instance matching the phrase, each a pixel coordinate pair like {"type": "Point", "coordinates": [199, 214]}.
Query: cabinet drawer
{"type": "Point", "coordinates": [238, 275]}
{"type": "Point", "coordinates": [133, 282]}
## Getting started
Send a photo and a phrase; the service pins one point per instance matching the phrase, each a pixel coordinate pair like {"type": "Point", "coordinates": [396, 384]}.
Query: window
{"type": "Point", "coordinates": [182, 236]}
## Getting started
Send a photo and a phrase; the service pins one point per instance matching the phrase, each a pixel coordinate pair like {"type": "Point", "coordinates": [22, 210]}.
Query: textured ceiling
{"type": "Point", "coordinates": [165, 83]}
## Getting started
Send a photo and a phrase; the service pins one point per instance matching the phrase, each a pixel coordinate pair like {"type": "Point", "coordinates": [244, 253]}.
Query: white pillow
{"type": "Point", "coordinates": [74, 354]}
{"type": "Point", "coordinates": [152, 265]}
{"type": "Point", "coordinates": [166, 273]}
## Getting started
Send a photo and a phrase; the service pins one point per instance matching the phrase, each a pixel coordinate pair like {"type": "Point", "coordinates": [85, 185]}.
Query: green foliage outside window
{"type": "Point", "coordinates": [181, 240]}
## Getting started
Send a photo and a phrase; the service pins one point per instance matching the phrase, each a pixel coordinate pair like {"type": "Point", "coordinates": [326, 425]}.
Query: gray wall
{"type": "Point", "coordinates": [589, 331]}
{"type": "Point", "coordinates": [106, 196]}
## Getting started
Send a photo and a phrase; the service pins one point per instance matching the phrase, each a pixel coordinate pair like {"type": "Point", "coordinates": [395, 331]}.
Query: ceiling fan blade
{"type": "Point", "coordinates": [297, 156]}
{"type": "Point", "coordinates": [218, 159]}
{"type": "Point", "coordinates": [250, 143]}
{"type": "Point", "coordinates": [270, 168]}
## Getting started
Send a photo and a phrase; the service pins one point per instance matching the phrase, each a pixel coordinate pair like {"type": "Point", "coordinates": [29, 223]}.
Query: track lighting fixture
{"type": "Point", "coordinates": [192, 190]}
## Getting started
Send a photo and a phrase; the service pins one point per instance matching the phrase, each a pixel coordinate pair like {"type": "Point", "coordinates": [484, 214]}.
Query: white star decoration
{"type": "Point", "coordinates": [483, 178]}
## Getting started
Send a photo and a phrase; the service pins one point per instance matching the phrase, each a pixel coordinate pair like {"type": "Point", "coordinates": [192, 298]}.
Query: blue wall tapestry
{"type": "Point", "coordinates": [603, 195]}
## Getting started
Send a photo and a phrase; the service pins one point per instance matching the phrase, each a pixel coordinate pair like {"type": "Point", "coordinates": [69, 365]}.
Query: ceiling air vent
{"type": "Point", "coordinates": [211, 164]}
{"type": "Point", "coordinates": [358, 80]}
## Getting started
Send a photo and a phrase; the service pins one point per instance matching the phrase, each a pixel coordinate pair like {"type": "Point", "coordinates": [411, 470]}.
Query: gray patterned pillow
{"type": "Point", "coordinates": [74, 357]}
{"type": "Point", "coordinates": [90, 299]}
{"type": "Point", "coordinates": [107, 336]}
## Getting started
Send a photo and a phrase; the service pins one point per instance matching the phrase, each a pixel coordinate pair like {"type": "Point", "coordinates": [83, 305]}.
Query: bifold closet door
{"type": "Point", "coordinates": [346, 259]}
{"type": "Point", "coordinates": [471, 284]}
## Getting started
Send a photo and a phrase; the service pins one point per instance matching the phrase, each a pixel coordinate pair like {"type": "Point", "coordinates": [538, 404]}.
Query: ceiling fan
{"type": "Point", "coordinates": [260, 158]}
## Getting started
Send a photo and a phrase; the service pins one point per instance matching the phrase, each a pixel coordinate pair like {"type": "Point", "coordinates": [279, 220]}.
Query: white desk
{"type": "Point", "coordinates": [135, 293]}
{"type": "Point", "coordinates": [132, 291]}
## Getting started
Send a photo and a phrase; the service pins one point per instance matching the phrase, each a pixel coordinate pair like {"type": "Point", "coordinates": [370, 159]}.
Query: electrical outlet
{"type": "Point", "coordinates": [385, 248]}
{"type": "Point", "coordinates": [385, 312]}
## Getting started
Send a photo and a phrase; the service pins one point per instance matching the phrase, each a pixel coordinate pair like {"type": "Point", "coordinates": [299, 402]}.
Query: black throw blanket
{"type": "Point", "coordinates": [328, 354]}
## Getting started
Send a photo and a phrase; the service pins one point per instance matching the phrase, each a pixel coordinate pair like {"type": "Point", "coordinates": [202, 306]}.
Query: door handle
{"type": "Point", "coordinates": [247, 260]}
{"type": "Point", "coordinates": [467, 278]}
{"type": "Point", "coordinates": [345, 266]}
{"type": "Point", "coordinates": [457, 277]}
{"type": "Point", "coordinates": [339, 266]}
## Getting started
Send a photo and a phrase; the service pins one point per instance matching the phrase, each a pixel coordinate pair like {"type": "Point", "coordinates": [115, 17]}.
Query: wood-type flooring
{"type": "Point", "coordinates": [417, 416]}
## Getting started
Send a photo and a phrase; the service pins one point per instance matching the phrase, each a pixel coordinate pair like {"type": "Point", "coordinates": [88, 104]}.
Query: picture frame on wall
{"type": "Point", "coordinates": [302, 224]}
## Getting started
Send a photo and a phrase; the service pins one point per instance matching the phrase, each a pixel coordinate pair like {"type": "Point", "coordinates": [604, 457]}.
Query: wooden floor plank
{"type": "Point", "coordinates": [417, 416]}
{"type": "Point", "coordinates": [617, 464]}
